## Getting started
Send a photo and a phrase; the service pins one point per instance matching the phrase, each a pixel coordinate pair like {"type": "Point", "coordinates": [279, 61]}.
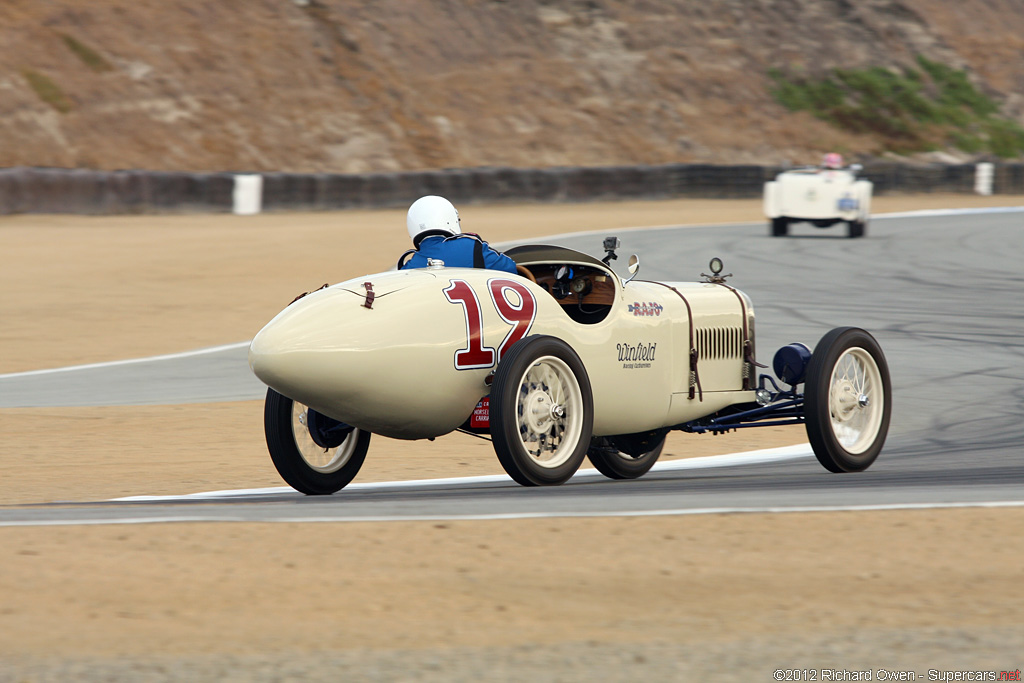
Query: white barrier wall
{"type": "Point", "coordinates": [248, 194]}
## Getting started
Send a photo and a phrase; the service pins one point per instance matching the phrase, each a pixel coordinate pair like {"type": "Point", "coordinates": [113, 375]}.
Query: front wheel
{"type": "Point", "coordinates": [541, 411]}
{"type": "Point", "coordinates": [613, 463]}
{"type": "Point", "coordinates": [847, 400]}
{"type": "Point", "coordinates": [313, 454]}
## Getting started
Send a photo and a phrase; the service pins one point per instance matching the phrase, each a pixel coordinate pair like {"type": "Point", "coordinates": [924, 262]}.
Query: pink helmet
{"type": "Point", "coordinates": [833, 160]}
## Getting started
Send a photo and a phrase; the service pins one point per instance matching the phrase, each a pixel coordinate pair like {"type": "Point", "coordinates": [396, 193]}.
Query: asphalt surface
{"type": "Point", "coordinates": [943, 294]}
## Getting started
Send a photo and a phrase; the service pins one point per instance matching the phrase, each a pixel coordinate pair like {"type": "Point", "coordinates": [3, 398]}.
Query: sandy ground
{"type": "Point", "coordinates": [725, 597]}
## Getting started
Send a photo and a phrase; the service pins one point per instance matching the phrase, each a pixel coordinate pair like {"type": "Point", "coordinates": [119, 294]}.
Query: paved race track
{"type": "Point", "coordinates": [941, 291]}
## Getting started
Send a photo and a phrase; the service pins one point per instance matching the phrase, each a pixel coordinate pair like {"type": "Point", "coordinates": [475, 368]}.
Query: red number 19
{"type": "Point", "coordinates": [519, 313]}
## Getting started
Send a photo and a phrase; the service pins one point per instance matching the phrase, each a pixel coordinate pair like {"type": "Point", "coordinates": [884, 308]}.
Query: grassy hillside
{"type": "Point", "coordinates": [908, 110]}
{"type": "Point", "coordinates": [364, 85]}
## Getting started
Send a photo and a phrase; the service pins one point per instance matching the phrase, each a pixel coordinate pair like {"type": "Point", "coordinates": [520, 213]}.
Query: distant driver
{"type": "Point", "coordinates": [832, 161]}
{"type": "Point", "coordinates": [433, 224]}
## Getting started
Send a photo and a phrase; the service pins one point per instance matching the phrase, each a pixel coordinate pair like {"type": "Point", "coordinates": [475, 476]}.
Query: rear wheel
{"type": "Point", "coordinates": [779, 226]}
{"type": "Point", "coordinates": [313, 454]}
{"type": "Point", "coordinates": [856, 228]}
{"type": "Point", "coordinates": [613, 463]}
{"type": "Point", "coordinates": [541, 411]}
{"type": "Point", "coordinates": [847, 400]}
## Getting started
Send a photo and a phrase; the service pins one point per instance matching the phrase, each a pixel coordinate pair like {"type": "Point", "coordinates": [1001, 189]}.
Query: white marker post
{"type": "Point", "coordinates": [983, 173]}
{"type": "Point", "coordinates": [248, 194]}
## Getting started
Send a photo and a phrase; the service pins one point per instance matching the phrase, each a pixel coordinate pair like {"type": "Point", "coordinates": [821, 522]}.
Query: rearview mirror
{"type": "Point", "coordinates": [633, 267]}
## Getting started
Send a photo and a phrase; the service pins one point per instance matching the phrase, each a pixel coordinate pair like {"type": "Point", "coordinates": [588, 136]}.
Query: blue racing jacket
{"type": "Point", "coordinates": [458, 251]}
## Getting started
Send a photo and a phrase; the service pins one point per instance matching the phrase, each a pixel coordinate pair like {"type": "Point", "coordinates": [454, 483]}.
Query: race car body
{"type": "Point", "coordinates": [415, 363]}
{"type": "Point", "coordinates": [561, 361]}
{"type": "Point", "coordinates": [820, 196]}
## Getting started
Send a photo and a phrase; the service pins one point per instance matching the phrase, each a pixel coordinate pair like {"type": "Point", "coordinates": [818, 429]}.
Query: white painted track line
{"type": "Point", "coordinates": [729, 460]}
{"type": "Point", "coordinates": [131, 361]}
{"type": "Point", "coordinates": [312, 519]}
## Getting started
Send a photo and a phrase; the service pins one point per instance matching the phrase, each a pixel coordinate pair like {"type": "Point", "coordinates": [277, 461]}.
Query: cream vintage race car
{"type": "Point", "coordinates": [819, 196]}
{"type": "Point", "coordinates": [562, 361]}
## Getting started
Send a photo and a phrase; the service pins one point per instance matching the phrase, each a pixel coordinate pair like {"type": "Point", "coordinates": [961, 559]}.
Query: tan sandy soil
{"type": "Point", "coordinates": [657, 598]}
{"type": "Point", "coordinates": [185, 589]}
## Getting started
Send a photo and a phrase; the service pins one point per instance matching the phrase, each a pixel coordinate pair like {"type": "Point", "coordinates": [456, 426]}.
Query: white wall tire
{"type": "Point", "coordinates": [305, 466]}
{"type": "Point", "coordinates": [541, 411]}
{"type": "Point", "coordinates": [847, 400]}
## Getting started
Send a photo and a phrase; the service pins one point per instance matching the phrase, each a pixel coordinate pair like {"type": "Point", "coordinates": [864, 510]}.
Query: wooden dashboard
{"type": "Point", "coordinates": [575, 284]}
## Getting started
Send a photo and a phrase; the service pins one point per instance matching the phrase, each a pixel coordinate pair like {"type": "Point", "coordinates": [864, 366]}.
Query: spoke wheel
{"type": "Point", "coordinates": [541, 411]}
{"type": "Point", "coordinates": [848, 400]}
{"type": "Point", "coordinates": [304, 465]}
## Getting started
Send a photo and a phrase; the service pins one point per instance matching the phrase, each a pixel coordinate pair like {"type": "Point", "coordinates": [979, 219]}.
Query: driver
{"type": "Point", "coordinates": [832, 161]}
{"type": "Point", "coordinates": [433, 224]}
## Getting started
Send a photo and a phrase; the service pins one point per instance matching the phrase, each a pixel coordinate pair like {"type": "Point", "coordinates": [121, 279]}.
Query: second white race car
{"type": "Point", "coordinates": [819, 196]}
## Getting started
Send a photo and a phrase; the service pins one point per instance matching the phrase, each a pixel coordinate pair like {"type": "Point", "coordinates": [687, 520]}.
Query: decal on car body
{"type": "Point", "coordinates": [513, 302]}
{"type": "Point", "coordinates": [644, 308]}
{"type": "Point", "coordinates": [481, 417]}
{"type": "Point", "coordinates": [636, 356]}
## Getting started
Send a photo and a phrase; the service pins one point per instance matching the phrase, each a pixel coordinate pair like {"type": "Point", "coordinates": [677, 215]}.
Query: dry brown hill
{"type": "Point", "coordinates": [379, 85]}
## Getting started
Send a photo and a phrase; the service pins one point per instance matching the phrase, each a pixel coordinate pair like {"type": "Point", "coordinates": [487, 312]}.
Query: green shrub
{"type": "Point", "coordinates": [47, 90]}
{"type": "Point", "coordinates": [955, 90]}
{"type": "Point", "coordinates": [92, 59]}
{"type": "Point", "coordinates": [1005, 138]}
{"type": "Point", "coordinates": [910, 110]}
{"type": "Point", "coordinates": [968, 142]}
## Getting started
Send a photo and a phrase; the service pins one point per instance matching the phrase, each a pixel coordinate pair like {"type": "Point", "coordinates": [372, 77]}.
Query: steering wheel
{"type": "Point", "coordinates": [525, 272]}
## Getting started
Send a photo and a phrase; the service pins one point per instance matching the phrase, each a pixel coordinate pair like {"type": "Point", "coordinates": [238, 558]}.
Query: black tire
{"type": "Point", "coordinates": [615, 464]}
{"type": "Point", "coordinates": [536, 379]}
{"type": "Point", "coordinates": [779, 226]}
{"type": "Point", "coordinates": [294, 451]}
{"type": "Point", "coordinates": [847, 378]}
{"type": "Point", "coordinates": [856, 229]}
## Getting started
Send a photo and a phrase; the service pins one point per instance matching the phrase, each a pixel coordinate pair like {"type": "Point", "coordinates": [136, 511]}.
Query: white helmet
{"type": "Point", "coordinates": [432, 215]}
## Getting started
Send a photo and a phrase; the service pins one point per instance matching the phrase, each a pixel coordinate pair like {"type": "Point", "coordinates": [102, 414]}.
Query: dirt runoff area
{"type": "Point", "coordinates": [713, 597]}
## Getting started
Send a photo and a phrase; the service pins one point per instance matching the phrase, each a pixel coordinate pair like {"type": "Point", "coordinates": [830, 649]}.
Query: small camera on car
{"type": "Point", "coordinates": [610, 245]}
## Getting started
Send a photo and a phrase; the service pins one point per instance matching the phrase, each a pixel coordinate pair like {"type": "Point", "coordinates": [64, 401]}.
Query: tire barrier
{"type": "Point", "coordinates": [292, 191]}
{"type": "Point", "coordinates": [1008, 179]}
{"type": "Point", "coordinates": [893, 177]}
{"type": "Point", "coordinates": [83, 191]}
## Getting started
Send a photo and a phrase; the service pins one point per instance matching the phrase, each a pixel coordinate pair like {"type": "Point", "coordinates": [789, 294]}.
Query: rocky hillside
{"type": "Point", "coordinates": [379, 85]}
